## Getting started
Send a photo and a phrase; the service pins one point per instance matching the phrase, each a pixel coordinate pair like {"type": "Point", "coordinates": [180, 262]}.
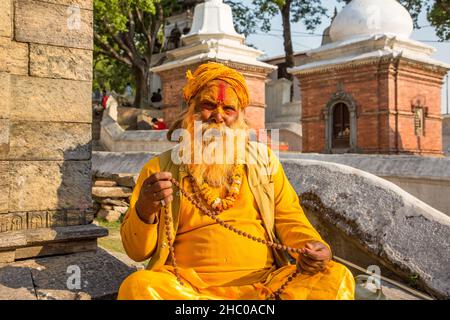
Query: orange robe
{"type": "Point", "coordinates": [216, 263]}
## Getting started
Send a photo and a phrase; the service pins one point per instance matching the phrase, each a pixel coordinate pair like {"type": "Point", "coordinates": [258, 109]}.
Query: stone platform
{"type": "Point", "coordinates": [17, 245]}
{"type": "Point", "coordinates": [55, 278]}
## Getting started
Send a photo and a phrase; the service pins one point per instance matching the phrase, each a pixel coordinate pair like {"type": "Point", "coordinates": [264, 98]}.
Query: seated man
{"type": "Point", "coordinates": [228, 229]}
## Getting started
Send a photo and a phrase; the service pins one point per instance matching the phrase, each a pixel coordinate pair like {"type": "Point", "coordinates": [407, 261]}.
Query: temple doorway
{"type": "Point", "coordinates": [341, 128]}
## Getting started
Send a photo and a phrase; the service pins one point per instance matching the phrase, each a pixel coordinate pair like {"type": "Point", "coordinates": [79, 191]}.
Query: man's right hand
{"type": "Point", "coordinates": [155, 188]}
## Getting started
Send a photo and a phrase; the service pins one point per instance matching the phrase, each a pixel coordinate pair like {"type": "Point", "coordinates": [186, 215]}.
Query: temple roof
{"type": "Point", "coordinates": [362, 18]}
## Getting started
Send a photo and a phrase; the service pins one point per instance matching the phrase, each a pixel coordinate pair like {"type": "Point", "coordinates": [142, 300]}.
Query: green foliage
{"type": "Point", "coordinates": [126, 33]}
{"type": "Point", "coordinates": [243, 18]}
{"type": "Point", "coordinates": [115, 12]}
{"type": "Point", "coordinates": [261, 12]}
{"type": "Point", "coordinates": [109, 74]}
{"type": "Point", "coordinates": [439, 17]}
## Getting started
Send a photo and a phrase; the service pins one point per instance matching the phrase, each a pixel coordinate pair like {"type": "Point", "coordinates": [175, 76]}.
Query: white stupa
{"type": "Point", "coordinates": [212, 38]}
{"type": "Point", "coordinates": [362, 18]}
{"type": "Point", "coordinates": [369, 30]}
{"type": "Point", "coordinates": [211, 18]}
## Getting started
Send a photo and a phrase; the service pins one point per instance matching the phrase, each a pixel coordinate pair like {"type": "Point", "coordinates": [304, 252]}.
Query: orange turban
{"type": "Point", "coordinates": [215, 71]}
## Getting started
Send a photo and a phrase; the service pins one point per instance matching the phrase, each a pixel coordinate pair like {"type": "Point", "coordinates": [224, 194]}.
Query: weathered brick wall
{"type": "Point", "coordinates": [174, 80]}
{"type": "Point", "coordinates": [45, 113]}
{"type": "Point", "coordinates": [384, 98]}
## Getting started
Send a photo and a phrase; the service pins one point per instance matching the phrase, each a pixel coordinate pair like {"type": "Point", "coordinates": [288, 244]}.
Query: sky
{"type": "Point", "coordinates": [272, 42]}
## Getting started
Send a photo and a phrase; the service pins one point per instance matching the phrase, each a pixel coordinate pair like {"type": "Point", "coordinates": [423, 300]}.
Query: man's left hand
{"type": "Point", "coordinates": [315, 259]}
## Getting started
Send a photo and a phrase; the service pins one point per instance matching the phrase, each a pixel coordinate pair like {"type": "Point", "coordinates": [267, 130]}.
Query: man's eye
{"type": "Point", "coordinates": [229, 109]}
{"type": "Point", "coordinates": [208, 106]}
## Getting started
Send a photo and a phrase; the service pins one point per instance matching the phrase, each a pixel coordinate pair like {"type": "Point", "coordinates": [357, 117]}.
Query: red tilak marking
{"type": "Point", "coordinates": [221, 96]}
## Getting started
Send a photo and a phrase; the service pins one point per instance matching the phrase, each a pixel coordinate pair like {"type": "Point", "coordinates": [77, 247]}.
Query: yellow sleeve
{"type": "Point", "coordinates": [139, 238]}
{"type": "Point", "coordinates": [291, 224]}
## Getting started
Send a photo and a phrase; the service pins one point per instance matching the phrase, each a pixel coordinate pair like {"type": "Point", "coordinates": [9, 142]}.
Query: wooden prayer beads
{"type": "Point", "coordinates": [214, 215]}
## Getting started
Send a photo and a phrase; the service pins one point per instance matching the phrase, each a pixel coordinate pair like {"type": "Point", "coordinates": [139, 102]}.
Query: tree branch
{"type": "Point", "coordinates": [110, 52]}
{"type": "Point", "coordinates": [148, 37]}
{"type": "Point", "coordinates": [119, 41]}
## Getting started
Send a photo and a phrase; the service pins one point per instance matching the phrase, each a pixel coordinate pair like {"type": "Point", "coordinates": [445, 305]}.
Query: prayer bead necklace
{"type": "Point", "coordinates": [214, 215]}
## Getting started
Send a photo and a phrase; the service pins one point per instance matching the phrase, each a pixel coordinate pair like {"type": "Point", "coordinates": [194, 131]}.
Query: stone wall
{"type": "Point", "coordinates": [128, 117]}
{"type": "Point", "coordinates": [114, 138]}
{"type": "Point", "coordinates": [45, 115]}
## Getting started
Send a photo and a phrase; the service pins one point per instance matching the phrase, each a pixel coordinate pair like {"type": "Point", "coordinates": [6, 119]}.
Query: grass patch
{"type": "Point", "coordinates": [113, 241]}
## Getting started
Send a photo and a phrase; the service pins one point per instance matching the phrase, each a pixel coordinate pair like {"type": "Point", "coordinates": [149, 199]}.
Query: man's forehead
{"type": "Point", "coordinates": [218, 89]}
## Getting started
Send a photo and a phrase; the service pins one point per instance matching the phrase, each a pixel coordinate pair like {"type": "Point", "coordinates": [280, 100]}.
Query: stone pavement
{"type": "Point", "coordinates": [56, 278]}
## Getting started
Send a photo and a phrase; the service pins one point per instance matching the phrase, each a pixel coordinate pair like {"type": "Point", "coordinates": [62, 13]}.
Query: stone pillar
{"type": "Point", "coordinates": [45, 128]}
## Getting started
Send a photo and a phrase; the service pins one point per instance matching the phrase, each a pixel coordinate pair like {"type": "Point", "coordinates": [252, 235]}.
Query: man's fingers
{"type": "Point", "coordinates": [157, 177]}
{"type": "Point", "coordinates": [315, 246]}
{"type": "Point", "coordinates": [316, 255]}
{"type": "Point", "coordinates": [307, 269]}
{"type": "Point", "coordinates": [162, 194]}
{"type": "Point", "coordinates": [312, 263]}
{"type": "Point", "coordinates": [167, 200]}
{"type": "Point", "coordinates": [158, 186]}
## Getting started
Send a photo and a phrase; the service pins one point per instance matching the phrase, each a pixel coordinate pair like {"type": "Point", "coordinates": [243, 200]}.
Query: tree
{"type": "Point", "coordinates": [439, 17]}
{"type": "Point", "coordinates": [110, 74]}
{"type": "Point", "coordinates": [126, 31]}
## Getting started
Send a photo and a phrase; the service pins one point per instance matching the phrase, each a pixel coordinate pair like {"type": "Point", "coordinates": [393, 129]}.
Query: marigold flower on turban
{"type": "Point", "coordinates": [216, 71]}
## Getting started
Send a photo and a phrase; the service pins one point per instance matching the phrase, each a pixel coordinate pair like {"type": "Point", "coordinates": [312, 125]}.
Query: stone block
{"type": "Point", "coordinates": [108, 215]}
{"type": "Point", "coordinates": [4, 186]}
{"type": "Point", "coordinates": [114, 202]}
{"type": "Point", "coordinates": [30, 140]}
{"type": "Point", "coordinates": [49, 249]}
{"type": "Point", "coordinates": [5, 257]}
{"type": "Point", "coordinates": [104, 183]}
{"type": "Point", "coordinates": [111, 192]}
{"type": "Point", "coordinates": [13, 57]}
{"type": "Point", "coordinates": [5, 95]}
{"type": "Point", "coordinates": [6, 18]}
{"type": "Point", "coordinates": [83, 4]}
{"type": "Point", "coordinates": [56, 100]}
{"type": "Point", "coordinates": [34, 237]}
{"type": "Point", "coordinates": [4, 138]}
{"type": "Point", "coordinates": [121, 210]}
{"type": "Point", "coordinates": [16, 283]}
{"type": "Point", "coordinates": [59, 62]}
{"type": "Point", "coordinates": [385, 221]}
{"type": "Point", "coordinates": [48, 23]}
{"type": "Point", "coordinates": [49, 185]}
{"type": "Point", "coordinates": [126, 180]}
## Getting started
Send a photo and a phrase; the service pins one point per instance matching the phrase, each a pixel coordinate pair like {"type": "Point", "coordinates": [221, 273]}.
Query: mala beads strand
{"type": "Point", "coordinates": [214, 215]}
{"type": "Point", "coordinates": [170, 239]}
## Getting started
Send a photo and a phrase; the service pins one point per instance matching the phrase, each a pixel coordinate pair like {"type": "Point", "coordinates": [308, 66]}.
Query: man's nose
{"type": "Point", "coordinates": [217, 116]}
